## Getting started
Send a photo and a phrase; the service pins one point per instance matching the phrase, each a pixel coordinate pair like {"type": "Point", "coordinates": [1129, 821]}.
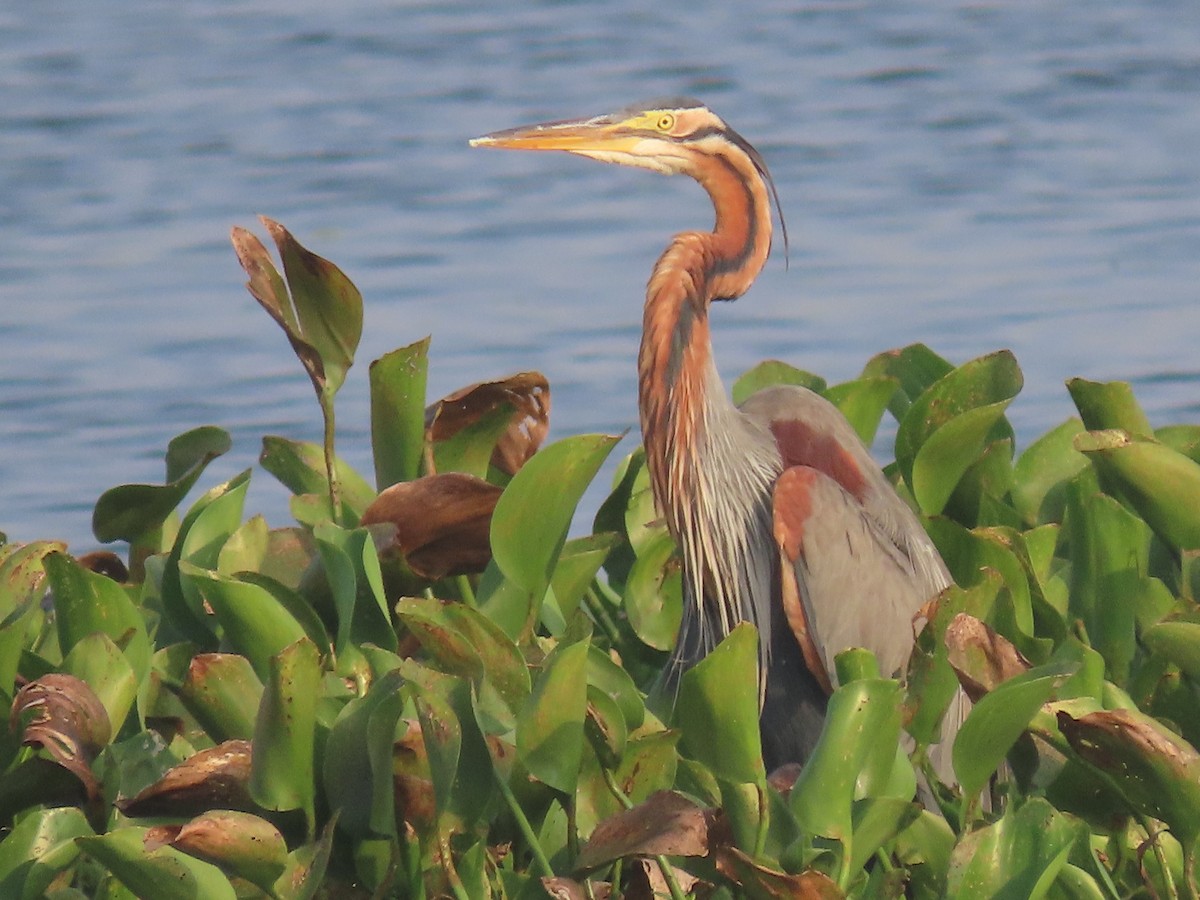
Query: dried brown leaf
{"type": "Point", "coordinates": [442, 522]}
{"type": "Point", "coordinates": [527, 393]}
{"type": "Point", "coordinates": [106, 563]}
{"type": "Point", "coordinates": [759, 881]}
{"type": "Point", "coordinates": [62, 715]}
{"type": "Point", "coordinates": [665, 823]}
{"type": "Point", "coordinates": [216, 778]}
{"type": "Point", "coordinates": [981, 657]}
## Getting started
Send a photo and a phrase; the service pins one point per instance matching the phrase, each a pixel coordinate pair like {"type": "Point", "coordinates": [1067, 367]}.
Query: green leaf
{"type": "Point", "coordinates": [577, 565]}
{"type": "Point", "coordinates": [772, 372]}
{"type": "Point", "coordinates": [281, 771]}
{"type": "Point", "coordinates": [222, 691]}
{"type": "Point", "coordinates": [358, 774]}
{"type": "Point", "coordinates": [163, 873]}
{"type": "Point", "coordinates": [398, 381]}
{"type": "Point", "coordinates": [1109, 559]}
{"type": "Point", "coordinates": [654, 593]}
{"type": "Point", "coordinates": [550, 725]}
{"type": "Point", "coordinates": [1018, 856]}
{"type": "Point", "coordinates": [914, 367]}
{"type": "Point", "coordinates": [998, 719]}
{"type": "Point", "coordinates": [254, 622]}
{"type": "Point", "coordinates": [300, 467]}
{"type": "Point", "coordinates": [98, 662]}
{"type": "Point", "coordinates": [131, 510]}
{"type": "Point", "coordinates": [1177, 641]}
{"type": "Point", "coordinates": [529, 525]}
{"type": "Point", "coordinates": [238, 843]}
{"type": "Point", "coordinates": [1162, 484]}
{"type": "Point", "coordinates": [39, 847]}
{"type": "Point", "coordinates": [246, 548]}
{"type": "Point", "coordinates": [717, 709]}
{"type": "Point", "coordinates": [1042, 472]}
{"type": "Point", "coordinates": [86, 602]}
{"type": "Point", "coordinates": [854, 757]}
{"type": "Point", "coordinates": [863, 403]}
{"type": "Point", "coordinates": [1104, 405]}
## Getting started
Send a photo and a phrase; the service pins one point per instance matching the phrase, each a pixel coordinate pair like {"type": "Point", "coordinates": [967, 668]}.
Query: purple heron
{"type": "Point", "coordinates": [781, 516]}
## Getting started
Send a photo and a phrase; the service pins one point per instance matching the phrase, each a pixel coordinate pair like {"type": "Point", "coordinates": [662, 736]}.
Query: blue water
{"type": "Point", "coordinates": [970, 175]}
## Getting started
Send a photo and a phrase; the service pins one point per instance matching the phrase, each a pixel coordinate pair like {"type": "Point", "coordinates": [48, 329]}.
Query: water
{"type": "Point", "coordinates": [970, 175]}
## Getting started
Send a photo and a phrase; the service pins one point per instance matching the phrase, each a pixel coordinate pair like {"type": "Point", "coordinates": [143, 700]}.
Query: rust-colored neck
{"type": "Point", "coordinates": [679, 388]}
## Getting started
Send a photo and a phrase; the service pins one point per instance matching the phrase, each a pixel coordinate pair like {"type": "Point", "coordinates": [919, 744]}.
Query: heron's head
{"type": "Point", "coordinates": [678, 136]}
{"type": "Point", "coordinates": [675, 136]}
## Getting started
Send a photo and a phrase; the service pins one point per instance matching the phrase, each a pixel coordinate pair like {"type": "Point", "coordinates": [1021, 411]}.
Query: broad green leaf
{"type": "Point", "coordinates": [615, 681]}
{"type": "Point", "coordinates": [127, 512]}
{"type": "Point", "coordinates": [86, 602]}
{"type": "Point", "coordinates": [254, 622]}
{"type": "Point", "coordinates": [529, 525]}
{"type": "Point", "coordinates": [1018, 856]}
{"type": "Point", "coordinates": [1183, 439]}
{"type": "Point", "coordinates": [306, 865]}
{"type": "Point", "coordinates": [470, 449]}
{"type": "Point", "coordinates": [577, 565]}
{"type": "Point", "coordinates": [246, 548]}
{"type": "Point", "coordinates": [853, 759]}
{"type": "Point", "coordinates": [222, 691]}
{"type": "Point", "coordinates": [281, 771]}
{"type": "Point", "coordinates": [654, 594]}
{"type": "Point", "coordinates": [300, 467]}
{"type": "Point", "coordinates": [987, 383]}
{"type": "Point", "coordinates": [1109, 560]}
{"type": "Point", "coordinates": [717, 709]}
{"type": "Point", "coordinates": [772, 372]}
{"type": "Point", "coordinates": [358, 773]}
{"type": "Point", "coordinates": [183, 611]}
{"type": "Point", "coordinates": [1177, 641]}
{"type": "Point", "coordinates": [1104, 405]}
{"type": "Point", "coordinates": [1042, 472]}
{"type": "Point", "coordinates": [163, 873]}
{"type": "Point", "coordinates": [877, 821]}
{"type": "Point", "coordinates": [352, 570]}
{"type": "Point", "coordinates": [550, 724]}
{"type": "Point", "coordinates": [238, 843]}
{"type": "Point", "coordinates": [39, 847]}
{"type": "Point", "coordinates": [398, 380]}
{"type": "Point", "coordinates": [22, 574]}
{"type": "Point", "coordinates": [998, 719]}
{"type": "Point", "coordinates": [914, 368]}
{"type": "Point", "coordinates": [96, 660]}
{"type": "Point", "coordinates": [947, 454]}
{"type": "Point", "coordinates": [441, 733]}
{"type": "Point", "coordinates": [467, 643]}
{"type": "Point", "coordinates": [863, 403]}
{"type": "Point", "coordinates": [1162, 484]}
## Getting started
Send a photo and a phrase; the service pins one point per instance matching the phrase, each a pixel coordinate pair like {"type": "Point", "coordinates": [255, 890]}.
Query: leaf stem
{"type": "Point", "coordinates": [664, 865]}
{"type": "Point", "coordinates": [335, 492]}
{"type": "Point", "coordinates": [535, 847]}
{"type": "Point", "coordinates": [465, 592]}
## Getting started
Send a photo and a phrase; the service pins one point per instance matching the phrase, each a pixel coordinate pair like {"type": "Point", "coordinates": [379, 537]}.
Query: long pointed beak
{"type": "Point", "coordinates": [574, 136]}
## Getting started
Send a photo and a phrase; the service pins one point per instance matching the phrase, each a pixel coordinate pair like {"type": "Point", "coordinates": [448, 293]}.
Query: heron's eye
{"type": "Point", "coordinates": [666, 122]}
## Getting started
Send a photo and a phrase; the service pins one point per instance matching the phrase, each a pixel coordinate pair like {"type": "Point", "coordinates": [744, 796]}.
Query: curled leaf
{"type": "Point", "coordinates": [63, 716]}
{"type": "Point", "coordinates": [215, 778]}
{"type": "Point", "coordinates": [441, 522]}
{"type": "Point", "coordinates": [981, 657]}
{"type": "Point", "coordinates": [527, 397]}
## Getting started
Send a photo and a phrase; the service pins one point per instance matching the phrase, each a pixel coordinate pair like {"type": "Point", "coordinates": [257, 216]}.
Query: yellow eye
{"type": "Point", "coordinates": [666, 122]}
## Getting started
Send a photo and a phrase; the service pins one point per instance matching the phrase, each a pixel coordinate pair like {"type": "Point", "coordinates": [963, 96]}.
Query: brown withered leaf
{"type": "Point", "coordinates": [763, 883]}
{"type": "Point", "coordinates": [646, 881]}
{"type": "Point", "coordinates": [981, 657]}
{"type": "Point", "coordinates": [1157, 770]}
{"type": "Point", "coordinates": [216, 778]}
{"type": "Point", "coordinates": [568, 889]}
{"type": "Point", "coordinates": [106, 563]}
{"type": "Point", "coordinates": [412, 785]}
{"type": "Point", "coordinates": [664, 823]}
{"type": "Point", "coordinates": [442, 522]}
{"type": "Point", "coordinates": [527, 393]}
{"type": "Point", "coordinates": [62, 715]}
